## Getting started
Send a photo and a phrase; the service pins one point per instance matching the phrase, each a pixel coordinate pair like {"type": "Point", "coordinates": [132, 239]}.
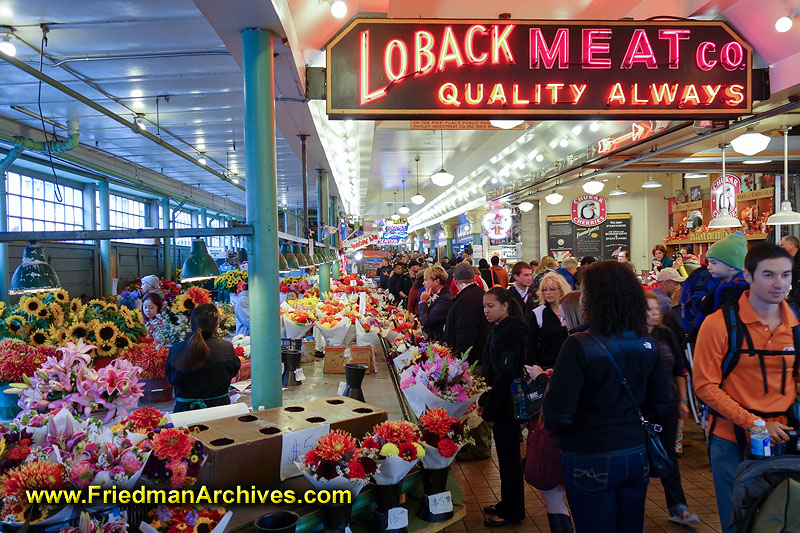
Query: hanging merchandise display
{"type": "Point", "coordinates": [497, 223]}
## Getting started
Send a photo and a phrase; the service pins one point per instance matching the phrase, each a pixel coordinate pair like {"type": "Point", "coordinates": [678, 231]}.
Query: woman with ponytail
{"type": "Point", "coordinates": [202, 366]}
{"type": "Point", "coordinates": [503, 358]}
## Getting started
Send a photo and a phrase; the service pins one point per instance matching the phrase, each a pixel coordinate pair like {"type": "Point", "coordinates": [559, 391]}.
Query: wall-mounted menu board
{"type": "Point", "coordinates": [598, 241]}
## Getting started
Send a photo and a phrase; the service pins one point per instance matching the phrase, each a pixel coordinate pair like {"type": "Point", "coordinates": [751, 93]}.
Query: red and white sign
{"type": "Point", "coordinates": [723, 195]}
{"type": "Point", "coordinates": [362, 242]}
{"type": "Point", "coordinates": [588, 210]}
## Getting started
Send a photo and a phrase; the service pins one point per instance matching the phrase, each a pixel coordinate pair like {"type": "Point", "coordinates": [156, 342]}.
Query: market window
{"type": "Point", "coordinates": [182, 220]}
{"type": "Point", "coordinates": [125, 213]}
{"type": "Point", "coordinates": [32, 205]}
{"type": "Point", "coordinates": [216, 242]}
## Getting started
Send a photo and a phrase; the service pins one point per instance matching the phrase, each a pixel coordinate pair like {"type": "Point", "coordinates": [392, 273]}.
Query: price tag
{"type": "Point", "coordinates": [342, 387]}
{"type": "Point", "coordinates": [397, 519]}
{"type": "Point", "coordinates": [440, 503]}
{"type": "Point", "coordinates": [353, 283]}
{"type": "Point", "coordinates": [296, 444]}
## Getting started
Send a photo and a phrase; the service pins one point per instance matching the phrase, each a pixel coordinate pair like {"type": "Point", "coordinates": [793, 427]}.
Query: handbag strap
{"type": "Point", "coordinates": [622, 379]}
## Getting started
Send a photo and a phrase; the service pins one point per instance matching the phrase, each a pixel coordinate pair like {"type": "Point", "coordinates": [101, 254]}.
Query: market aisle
{"type": "Point", "coordinates": [479, 481]}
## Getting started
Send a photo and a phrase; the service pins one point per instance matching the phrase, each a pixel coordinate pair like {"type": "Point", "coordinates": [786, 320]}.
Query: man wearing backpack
{"type": "Point", "coordinates": [745, 367]}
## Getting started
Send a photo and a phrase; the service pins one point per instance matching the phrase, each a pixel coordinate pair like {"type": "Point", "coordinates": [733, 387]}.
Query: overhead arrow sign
{"type": "Point", "coordinates": [639, 130]}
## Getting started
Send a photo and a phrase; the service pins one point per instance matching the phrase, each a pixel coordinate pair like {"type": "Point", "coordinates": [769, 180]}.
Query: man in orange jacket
{"type": "Point", "coordinates": [762, 383]}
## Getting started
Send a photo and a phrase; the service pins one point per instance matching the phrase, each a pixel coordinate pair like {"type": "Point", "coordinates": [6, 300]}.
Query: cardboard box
{"type": "Point", "coordinates": [334, 360]}
{"type": "Point", "coordinates": [308, 349]}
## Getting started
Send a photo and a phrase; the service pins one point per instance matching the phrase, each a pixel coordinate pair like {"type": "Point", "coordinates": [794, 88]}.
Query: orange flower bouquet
{"type": "Point", "coordinates": [336, 463]}
{"type": "Point", "coordinates": [296, 323]}
{"type": "Point", "coordinates": [334, 329]}
{"type": "Point", "coordinates": [396, 447]}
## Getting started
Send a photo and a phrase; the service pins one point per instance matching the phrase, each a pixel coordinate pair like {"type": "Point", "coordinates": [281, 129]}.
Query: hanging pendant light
{"type": "Point", "coordinates": [404, 209]}
{"type": "Point", "coordinates": [199, 265]}
{"type": "Point", "coordinates": [553, 198]}
{"type": "Point", "coordinates": [283, 266]}
{"type": "Point", "coordinates": [750, 142]}
{"type": "Point", "coordinates": [417, 199]}
{"type": "Point", "coordinates": [302, 260]}
{"type": "Point", "coordinates": [34, 274]}
{"type": "Point", "coordinates": [617, 190]}
{"type": "Point", "coordinates": [442, 178]}
{"type": "Point", "coordinates": [291, 259]}
{"type": "Point", "coordinates": [593, 186]}
{"type": "Point", "coordinates": [395, 216]}
{"type": "Point", "coordinates": [724, 220]}
{"type": "Point", "coordinates": [786, 215]}
{"type": "Point", "coordinates": [651, 183]}
{"type": "Point", "coordinates": [525, 206]}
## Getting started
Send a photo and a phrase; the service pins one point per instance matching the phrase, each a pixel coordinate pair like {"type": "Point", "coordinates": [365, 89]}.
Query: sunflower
{"type": "Point", "coordinates": [122, 343]}
{"type": "Point", "coordinates": [130, 318]}
{"type": "Point", "coordinates": [44, 312]}
{"type": "Point", "coordinates": [75, 306]}
{"type": "Point", "coordinates": [2, 308]}
{"type": "Point", "coordinates": [14, 323]}
{"type": "Point", "coordinates": [183, 303]}
{"type": "Point", "coordinates": [59, 335]}
{"type": "Point", "coordinates": [27, 328]}
{"type": "Point", "coordinates": [79, 330]}
{"type": "Point", "coordinates": [105, 349]}
{"type": "Point", "coordinates": [57, 313]}
{"type": "Point", "coordinates": [39, 338]}
{"type": "Point", "coordinates": [32, 306]}
{"type": "Point", "coordinates": [61, 296]}
{"type": "Point", "coordinates": [111, 306]}
{"type": "Point", "coordinates": [106, 333]}
{"type": "Point", "coordinates": [139, 317]}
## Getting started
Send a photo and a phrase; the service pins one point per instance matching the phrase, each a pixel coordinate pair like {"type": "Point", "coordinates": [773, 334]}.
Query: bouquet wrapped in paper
{"type": "Point", "coordinates": [296, 323]}
{"type": "Point", "coordinates": [442, 437]}
{"type": "Point", "coordinates": [367, 331]}
{"type": "Point", "coordinates": [334, 329]}
{"type": "Point", "coordinates": [336, 463]}
{"type": "Point", "coordinates": [396, 448]}
{"type": "Point", "coordinates": [441, 381]}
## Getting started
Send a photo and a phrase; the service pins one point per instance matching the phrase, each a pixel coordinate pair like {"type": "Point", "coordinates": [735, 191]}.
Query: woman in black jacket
{"type": "Point", "coordinates": [394, 282]}
{"type": "Point", "coordinates": [201, 367]}
{"type": "Point", "coordinates": [603, 456]}
{"type": "Point", "coordinates": [435, 303]}
{"type": "Point", "coordinates": [547, 333]}
{"type": "Point", "coordinates": [503, 359]}
{"type": "Point", "coordinates": [486, 272]}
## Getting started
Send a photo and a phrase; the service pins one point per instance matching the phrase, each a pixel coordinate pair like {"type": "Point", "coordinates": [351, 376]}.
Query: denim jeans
{"type": "Point", "coordinates": [606, 491]}
{"type": "Point", "coordinates": [725, 458]}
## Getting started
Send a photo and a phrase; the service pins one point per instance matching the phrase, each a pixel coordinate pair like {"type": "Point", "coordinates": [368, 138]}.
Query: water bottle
{"type": "Point", "coordinates": [759, 440]}
{"type": "Point", "coordinates": [518, 397]}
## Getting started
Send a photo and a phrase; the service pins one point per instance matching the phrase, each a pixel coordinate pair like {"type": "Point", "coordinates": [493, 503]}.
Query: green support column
{"type": "Point", "coordinates": [335, 269]}
{"type": "Point", "coordinates": [105, 245]}
{"type": "Point", "coordinates": [322, 217]}
{"type": "Point", "coordinates": [166, 243]}
{"type": "Point", "coordinates": [262, 174]}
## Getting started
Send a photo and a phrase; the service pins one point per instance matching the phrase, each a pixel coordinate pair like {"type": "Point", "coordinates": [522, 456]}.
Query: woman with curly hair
{"type": "Point", "coordinates": [603, 456]}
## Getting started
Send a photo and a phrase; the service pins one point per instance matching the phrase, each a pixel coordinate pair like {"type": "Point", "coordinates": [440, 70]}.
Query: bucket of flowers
{"type": "Point", "coordinates": [336, 463]}
{"type": "Point", "coordinates": [442, 437]}
{"type": "Point", "coordinates": [186, 519]}
{"type": "Point", "coordinates": [396, 447]}
{"type": "Point", "coordinates": [241, 345]}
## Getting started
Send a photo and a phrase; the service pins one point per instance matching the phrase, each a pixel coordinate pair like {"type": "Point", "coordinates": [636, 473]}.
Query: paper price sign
{"type": "Point", "coordinates": [296, 444]}
{"type": "Point", "coordinates": [397, 518]}
{"type": "Point", "coordinates": [440, 503]}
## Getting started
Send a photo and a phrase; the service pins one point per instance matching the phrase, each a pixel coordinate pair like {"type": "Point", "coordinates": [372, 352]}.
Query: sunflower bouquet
{"type": "Point", "coordinates": [187, 301]}
{"type": "Point", "coordinates": [37, 318]}
{"type": "Point", "coordinates": [337, 463]}
{"type": "Point", "coordinates": [228, 281]}
{"type": "Point", "coordinates": [396, 447]}
{"type": "Point", "coordinates": [110, 328]}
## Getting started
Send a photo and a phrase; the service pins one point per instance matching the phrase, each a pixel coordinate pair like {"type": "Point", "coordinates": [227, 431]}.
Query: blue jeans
{"type": "Point", "coordinates": [725, 458]}
{"type": "Point", "coordinates": [606, 491]}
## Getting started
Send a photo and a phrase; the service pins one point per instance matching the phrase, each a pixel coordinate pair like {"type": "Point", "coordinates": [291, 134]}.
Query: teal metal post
{"type": "Point", "coordinates": [449, 248]}
{"type": "Point", "coordinates": [166, 244]}
{"type": "Point", "coordinates": [4, 164]}
{"type": "Point", "coordinates": [334, 221]}
{"type": "Point", "coordinates": [322, 217]}
{"type": "Point", "coordinates": [105, 245]}
{"type": "Point", "coordinates": [262, 175]}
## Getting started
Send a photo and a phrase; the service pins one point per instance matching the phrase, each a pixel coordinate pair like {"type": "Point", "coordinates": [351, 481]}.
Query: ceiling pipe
{"type": "Point", "coordinates": [117, 57]}
{"type": "Point", "coordinates": [794, 103]}
{"type": "Point", "coordinates": [97, 107]}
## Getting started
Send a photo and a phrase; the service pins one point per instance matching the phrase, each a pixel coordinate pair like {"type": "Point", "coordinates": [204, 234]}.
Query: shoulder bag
{"type": "Point", "coordinates": [542, 463]}
{"type": "Point", "coordinates": [660, 462]}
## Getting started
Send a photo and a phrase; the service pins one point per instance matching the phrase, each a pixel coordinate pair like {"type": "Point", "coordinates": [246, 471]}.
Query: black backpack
{"type": "Point", "coordinates": [766, 495]}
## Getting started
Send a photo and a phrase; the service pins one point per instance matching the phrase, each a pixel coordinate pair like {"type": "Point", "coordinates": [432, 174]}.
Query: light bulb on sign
{"type": "Point", "coordinates": [339, 9]}
{"type": "Point", "coordinates": [359, 256]}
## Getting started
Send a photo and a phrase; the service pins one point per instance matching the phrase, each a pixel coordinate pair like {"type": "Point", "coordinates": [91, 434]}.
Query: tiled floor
{"type": "Point", "coordinates": [480, 484]}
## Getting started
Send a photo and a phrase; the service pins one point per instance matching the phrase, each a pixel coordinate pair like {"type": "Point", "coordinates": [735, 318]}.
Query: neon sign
{"type": "Point", "coordinates": [483, 69]}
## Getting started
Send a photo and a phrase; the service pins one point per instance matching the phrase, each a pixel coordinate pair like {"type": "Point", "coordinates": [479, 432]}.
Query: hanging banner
{"type": "Point", "coordinates": [497, 223]}
{"type": "Point", "coordinates": [479, 69]}
{"type": "Point", "coordinates": [361, 241]}
{"type": "Point", "coordinates": [588, 210]}
{"type": "Point", "coordinates": [723, 195]}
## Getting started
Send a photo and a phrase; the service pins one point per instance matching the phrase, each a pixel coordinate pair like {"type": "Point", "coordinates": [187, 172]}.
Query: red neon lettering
{"type": "Point", "coordinates": [468, 45]}
{"type": "Point", "coordinates": [449, 51]}
{"type": "Point", "coordinates": [639, 51]}
{"type": "Point", "coordinates": [731, 55]}
{"type": "Point", "coordinates": [590, 48]}
{"type": "Point", "coordinates": [395, 44]}
{"type": "Point", "coordinates": [635, 100]}
{"type": "Point", "coordinates": [690, 93]}
{"type": "Point", "coordinates": [735, 93]}
{"type": "Point", "coordinates": [711, 92]}
{"type": "Point", "coordinates": [554, 88]}
{"type": "Point", "coordinates": [577, 91]}
{"type": "Point", "coordinates": [663, 93]}
{"type": "Point", "coordinates": [448, 94]}
{"type": "Point", "coordinates": [500, 41]}
{"type": "Point", "coordinates": [537, 94]}
{"type": "Point", "coordinates": [366, 95]}
{"type": "Point", "coordinates": [498, 93]}
{"type": "Point", "coordinates": [674, 37]}
{"type": "Point", "coordinates": [424, 59]}
{"type": "Point", "coordinates": [515, 99]}
{"type": "Point", "coordinates": [616, 94]}
{"type": "Point", "coordinates": [700, 56]}
{"type": "Point", "coordinates": [468, 94]}
{"type": "Point", "coordinates": [549, 54]}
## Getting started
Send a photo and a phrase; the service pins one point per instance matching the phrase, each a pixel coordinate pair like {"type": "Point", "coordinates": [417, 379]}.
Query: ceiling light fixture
{"type": "Point", "coordinates": [138, 121]}
{"type": "Point", "coordinates": [618, 191]}
{"type": "Point", "coordinates": [593, 186]}
{"type": "Point", "coordinates": [201, 158]}
{"type": "Point", "coordinates": [750, 142]}
{"type": "Point", "coordinates": [695, 175]}
{"type": "Point", "coordinates": [417, 199]}
{"type": "Point", "coordinates": [539, 158]}
{"type": "Point", "coordinates": [404, 209]}
{"type": "Point", "coordinates": [7, 47]}
{"type": "Point", "coordinates": [442, 178]}
{"type": "Point", "coordinates": [786, 215]}
{"type": "Point", "coordinates": [756, 161]}
{"type": "Point", "coordinates": [395, 216]}
{"type": "Point", "coordinates": [564, 142]}
{"type": "Point", "coordinates": [525, 206]}
{"type": "Point", "coordinates": [784, 24]}
{"type": "Point", "coordinates": [594, 126]}
{"type": "Point", "coordinates": [553, 198]}
{"type": "Point", "coordinates": [724, 219]}
{"type": "Point", "coordinates": [651, 183]}
{"type": "Point", "coordinates": [506, 124]}
{"type": "Point", "coordinates": [338, 9]}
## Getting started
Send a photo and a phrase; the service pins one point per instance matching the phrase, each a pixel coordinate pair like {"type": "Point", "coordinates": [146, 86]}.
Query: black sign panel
{"type": "Point", "coordinates": [599, 241]}
{"type": "Point", "coordinates": [493, 69]}
{"type": "Point", "coordinates": [616, 234]}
